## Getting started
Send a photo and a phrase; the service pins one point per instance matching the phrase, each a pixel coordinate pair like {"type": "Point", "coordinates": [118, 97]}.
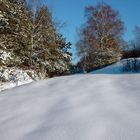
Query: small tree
{"type": "Point", "coordinates": [100, 37]}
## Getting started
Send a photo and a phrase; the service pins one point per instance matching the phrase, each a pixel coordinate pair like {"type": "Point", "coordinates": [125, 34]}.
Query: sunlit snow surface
{"type": "Point", "coordinates": [80, 107]}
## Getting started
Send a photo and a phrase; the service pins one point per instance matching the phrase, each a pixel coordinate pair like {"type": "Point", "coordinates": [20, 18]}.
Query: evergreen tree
{"type": "Point", "coordinates": [43, 38]}
{"type": "Point", "coordinates": [31, 40]}
{"type": "Point", "coordinates": [15, 30]}
{"type": "Point", "coordinates": [64, 56]}
{"type": "Point", "coordinates": [49, 47]}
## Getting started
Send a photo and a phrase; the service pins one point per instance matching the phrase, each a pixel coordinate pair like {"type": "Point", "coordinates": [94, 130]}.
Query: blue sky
{"type": "Point", "coordinates": [72, 13]}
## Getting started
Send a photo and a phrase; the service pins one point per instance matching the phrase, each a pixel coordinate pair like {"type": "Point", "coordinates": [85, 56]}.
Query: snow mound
{"type": "Point", "coordinates": [80, 107]}
{"type": "Point", "coordinates": [11, 77]}
{"type": "Point", "coordinates": [124, 66]}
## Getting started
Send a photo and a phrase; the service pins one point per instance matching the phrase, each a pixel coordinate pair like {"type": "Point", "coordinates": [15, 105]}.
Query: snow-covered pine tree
{"type": "Point", "coordinates": [64, 60]}
{"type": "Point", "coordinates": [15, 30]}
{"type": "Point", "coordinates": [14, 44]}
{"type": "Point", "coordinates": [49, 47]}
{"type": "Point", "coordinates": [30, 40]}
{"type": "Point", "coordinates": [5, 29]}
{"type": "Point", "coordinates": [43, 39]}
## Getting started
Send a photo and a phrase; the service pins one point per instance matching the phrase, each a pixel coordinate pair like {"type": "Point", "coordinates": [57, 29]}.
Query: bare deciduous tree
{"type": "Point", "coordinates": [101, 36]}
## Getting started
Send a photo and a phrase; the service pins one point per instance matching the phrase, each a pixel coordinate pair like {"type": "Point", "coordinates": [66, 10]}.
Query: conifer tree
{"type": "Point", "coordinates": [31, 39]}
{"type": "Point", "coordinates": [49, 46]}
{"type": "Point", "coordinates": [14, 30]}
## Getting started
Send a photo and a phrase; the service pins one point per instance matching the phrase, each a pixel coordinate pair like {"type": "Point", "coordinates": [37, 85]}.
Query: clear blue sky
{"type": "Point", "coordinates": [72, 12]}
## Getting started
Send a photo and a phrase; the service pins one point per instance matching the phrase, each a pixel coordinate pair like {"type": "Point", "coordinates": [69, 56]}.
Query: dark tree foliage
{"type": "Point", "coordinates": [29, 35]}
{"type": "Point", "coordinates": [14, 26]}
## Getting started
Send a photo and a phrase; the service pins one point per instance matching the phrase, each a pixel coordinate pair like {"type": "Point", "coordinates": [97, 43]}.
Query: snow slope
{"type": "Point", "coordinates": [80, 107]}
{"type": "Point", "coordinates": [118, 68]}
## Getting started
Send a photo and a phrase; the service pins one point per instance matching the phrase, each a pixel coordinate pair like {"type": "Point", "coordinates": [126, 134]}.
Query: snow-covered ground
{"type": "Point", "coordinates": [14, 77]}
{"type": "Point", "coordinates": [9, 85]}
{"type": "Point", "coordinates": [80, 107]}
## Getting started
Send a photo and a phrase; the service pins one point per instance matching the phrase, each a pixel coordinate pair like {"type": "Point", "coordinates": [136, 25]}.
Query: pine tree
{"type": "Point", "coordinates": [49, 47]}
{"type": "Point", "coordinates": [31, 40]}
{"type": "Point", "coordinates": [14, 30]}
{"type": "Point", "coordinates": [64, 60]}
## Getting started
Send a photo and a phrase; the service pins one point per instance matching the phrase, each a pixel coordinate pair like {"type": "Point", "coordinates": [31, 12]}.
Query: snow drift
{"type": "Point", "coordinates": [80, 107]}
{"type": "Point", "coordinates": [12, 77]}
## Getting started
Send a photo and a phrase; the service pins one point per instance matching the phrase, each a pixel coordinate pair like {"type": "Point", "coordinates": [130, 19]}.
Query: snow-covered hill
{"type": "Point", "coordinates": [80, 107]}
{"type": "Point", "coordinates": [130, 65]}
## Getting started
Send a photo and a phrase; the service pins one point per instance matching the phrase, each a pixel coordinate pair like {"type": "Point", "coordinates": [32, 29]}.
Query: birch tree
{"type": "Point", "coordinates": [100, 37]}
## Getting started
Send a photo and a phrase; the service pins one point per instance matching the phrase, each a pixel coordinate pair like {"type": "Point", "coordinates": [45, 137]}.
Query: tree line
{"type": "Point", "coordinates": [30, 38]}
{"type": "Point", "coordinates": [101, 40]}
